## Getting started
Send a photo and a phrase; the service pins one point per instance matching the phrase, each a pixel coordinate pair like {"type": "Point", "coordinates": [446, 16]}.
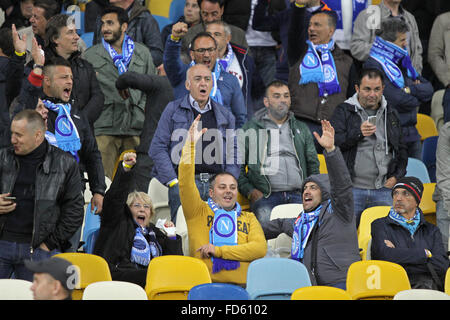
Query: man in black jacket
{"type": "Point", "coordinates": [56, 81]}
{"type": "Point", "coordinates": [41, 205]}
{"type": "Point", "coordinates": [368, 131]}
{"type": "Point", "coordinates": [61, 39]}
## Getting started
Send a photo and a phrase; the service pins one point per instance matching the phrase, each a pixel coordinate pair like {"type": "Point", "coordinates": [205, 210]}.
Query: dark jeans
{"type": "Point", "coordinates": [262, 208]}
{"type": "Point", "coordinates": [265, 61]}
{"type": "Point", "coordinates": [13, 255]}
{"type": "Point", "coordinates": [446, 105]}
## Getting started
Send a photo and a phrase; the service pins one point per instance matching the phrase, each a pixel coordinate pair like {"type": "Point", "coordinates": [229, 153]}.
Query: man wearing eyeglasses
{"type": "Point", "coordinates": [406, 238]}
{"type": "Point", "coordinates": [225, 87]}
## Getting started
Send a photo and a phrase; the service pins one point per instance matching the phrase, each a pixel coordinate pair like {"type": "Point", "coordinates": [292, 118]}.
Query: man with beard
{"type": "Point", "coordinates": [275, 174]}
{"type": "Point", "coordinates": [119, 125]}
{"type": "Point", "coordinates": [369, 134]}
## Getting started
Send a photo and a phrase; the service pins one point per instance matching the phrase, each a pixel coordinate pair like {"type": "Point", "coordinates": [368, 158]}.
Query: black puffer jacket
{"type": "Point", "coordinates": [58, 209]}
{"type": "Point", "coordinates": [118, 228]}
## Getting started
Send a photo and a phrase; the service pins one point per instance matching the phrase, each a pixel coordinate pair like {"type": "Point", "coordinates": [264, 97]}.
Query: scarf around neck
{"type": "Point", "coordinates": [224, 232]}
{"type": "Point", "coordinates": [215, 92]}
{"type": "Point", "coordinates": [320, 69]}
{"type": "Point", "coordinates": [228, 59]}
{"type": "Point", "coordinates": [410, 225]}
{"type": "Point", "coordinates": [121, 61]}
{"type": "Point", "coordinates": [143, 251]}
{"type": "Point", "coordinates": [391, 57]}
{"type": "Point", "coordinates": [66, 135]}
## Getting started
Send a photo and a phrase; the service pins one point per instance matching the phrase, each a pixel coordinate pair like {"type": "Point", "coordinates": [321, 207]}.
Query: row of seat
{"type": "Point", "coordinates": [187, 278]}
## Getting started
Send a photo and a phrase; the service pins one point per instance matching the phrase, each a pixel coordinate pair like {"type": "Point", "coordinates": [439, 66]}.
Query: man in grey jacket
{"type": "Point", "coordinates": [324, 234]}
{"type": "Point", "coordinates": [369, 21]}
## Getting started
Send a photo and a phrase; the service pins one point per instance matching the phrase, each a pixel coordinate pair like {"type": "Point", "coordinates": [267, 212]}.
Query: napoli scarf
{"type": "Point", "coordinates": [121, 61]}
{"type": "Point", "coordinates": [224, 233]}
{"type": "Point", "coordinates": [391, 56]}
{"type": "Point", "coordinates": [66, 135]}
{"type": "Point", "coordinates": [320, 69]}
{"type": "Point", "coordinates": [143, 251]}
{"type": "Point", "coordinates": [410, 225]}
{"type": "Point", "coordinates": [303, 226]}
{"type": "Point", "coordinates": [226, 61]}
{"type": "Point", "coordinates": [215, 92]}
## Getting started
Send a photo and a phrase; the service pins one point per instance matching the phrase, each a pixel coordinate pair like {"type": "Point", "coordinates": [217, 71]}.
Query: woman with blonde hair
{"type": "Point", "coordinates": [127, 239]}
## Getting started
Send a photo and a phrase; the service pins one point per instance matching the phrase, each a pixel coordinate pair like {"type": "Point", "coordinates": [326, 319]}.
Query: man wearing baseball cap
{"type": "Point", "coordinates": [53, 279]}
{"type": "Point", "coordinates": [406, 238]}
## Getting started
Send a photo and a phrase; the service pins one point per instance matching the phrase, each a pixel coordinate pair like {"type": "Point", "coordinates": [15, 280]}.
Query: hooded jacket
{"type": "Point", "coordinates": [347, 124]}
{"type": "Point", "coordinates": [333, 244]}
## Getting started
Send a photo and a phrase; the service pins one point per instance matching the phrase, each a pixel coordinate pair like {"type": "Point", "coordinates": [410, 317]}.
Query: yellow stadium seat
{"type": "Point", "coordinates": [323, 165]}
{"type": "Point", "coordinates": [320, 293]}
{"type": "Point", "coordinates": [364, 229]}
{"type": "Point", "coordinates": [426, 126]}
{"type": "Point", "coordinates": [447, 282]}
{"type": "Point", "coordinates": [171, 277]}
{"type": "Point", "coordinates": [376, 280]}
{"type": "Point", "coordinates": [91, 268]}
{"type": "Point", "coordinates": [427, 204]}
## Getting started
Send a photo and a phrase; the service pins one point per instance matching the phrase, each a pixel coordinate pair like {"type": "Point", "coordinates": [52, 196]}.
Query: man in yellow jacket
{"type": "Point", "coordinates": [224, 237]}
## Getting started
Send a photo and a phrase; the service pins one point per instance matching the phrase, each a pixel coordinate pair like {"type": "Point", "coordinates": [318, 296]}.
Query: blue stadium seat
{"type": "Point", "coordinates": [176, 9]}
{"type": "Point", "coordinates": [162, 21]}
{"type": "Point", "coordinates": [90, 241]}
{"type": "Point", "coordinates": [91, 223]}
{"type": "Point", "coordinates": [416, 168]}
{"type": "Point", "coordinates": [275, 278]}
{"type": "Point", "coordinates": [88, 38]}
{"type": "Point", "coordinates": [429, 156]}
{"type": "Point", "coordinates": [218, 291]}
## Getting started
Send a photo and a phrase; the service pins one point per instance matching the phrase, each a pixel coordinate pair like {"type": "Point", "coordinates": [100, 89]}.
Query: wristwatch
{"type": "Point", "coordinates": [407, 90]}
{"type": "Point", "coordinates": [38, 66]}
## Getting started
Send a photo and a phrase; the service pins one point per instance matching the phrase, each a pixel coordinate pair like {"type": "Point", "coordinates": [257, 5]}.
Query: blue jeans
{"type": "Point", "coordinates": [265, 61]}
{"type": "Point", "coordinates": [446, 105]}
{"type": "Point", "coordinates": [174, 197]}
{"type": "Point", "coordinates": [366, 198]}
{"type": "Point", "coordinates": [13, 255]}
{"type": "Point", "coordinates": [443, 222]}
{"type": "Point", "coordinates": [262, 208]}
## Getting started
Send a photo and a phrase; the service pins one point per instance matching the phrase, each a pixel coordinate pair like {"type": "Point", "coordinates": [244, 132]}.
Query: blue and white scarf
{"type": "Point", "coordinates": [410, 225]}
{"type": "Point", "coordinates": [121, 61]}
{"type": "Point", "coordinates": [228, 59]}
{"type": "Point", "coordinates": [391, 56]}
{"type": "Point", "coordinates": [215, 92]}
{"type": "Point", "coordinates": [303, 226]}
{"type": "Point", "coordinates": [320, 69]}
{"type": "Point", "coordinates": [143, 251]}
{"type": "Point", "coordinates": [66, 135]}
{"type": "Point", "coordinates": [224, 233]}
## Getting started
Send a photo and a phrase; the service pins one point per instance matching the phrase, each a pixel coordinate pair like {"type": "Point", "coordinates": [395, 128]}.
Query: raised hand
{"type": "Point", "coordinates": [179, 30]}
{"type": "Point", "coordinates": [37, 53]}
{"type": "Point", "coordinates": [327, 138]}
{"type": "Point", "coordinates": [194, 134]}
{"type": "Point", "coordinates": [20, 45]}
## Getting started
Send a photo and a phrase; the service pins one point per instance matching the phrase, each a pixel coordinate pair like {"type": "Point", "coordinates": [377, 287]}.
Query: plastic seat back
{"type": "Point", "coordinates": [364, 228]}
{"type": "Point", "coordinates": [171, 277]}
{"type": "Point", "coordinates": [176, 9]}
{"type": "Point", "coordinates": [427, 203]}
{"type": "Point", "coordinates": [426, 126]}
{"type": "Point", "coordinates": [275, 278]}
{"type": "Point", "coordinates": [320, 293]}
{"type": "Point", "coordinates": [376, 279]}
{"type": "Point", "coordinates": [447, 282]}
{"type": "Point", "coordinates": [162, 21]}
{"type": "Point", "coordinates": [281, 245]}
{"type": "Point", "coordinates": [218, 291]}
{"type": "Point", "coordinates": [429, 147]}
{"type": "Point", "coordinates": [323, 164]}
{"type": "Point", "coordinates": [114, 290]}
{"type": "Point", "coordinates": [421, 294]}
{"type": "Point", "coordinates": [416, 168]}
{"type": "Point", "coordinates": [15, 289]}
{"type": "Point", "coordinates": [91, 268]}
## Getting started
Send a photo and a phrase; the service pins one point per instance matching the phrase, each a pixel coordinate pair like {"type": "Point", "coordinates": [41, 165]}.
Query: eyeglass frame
{"type": "Point", "coordinates": [210, 50]}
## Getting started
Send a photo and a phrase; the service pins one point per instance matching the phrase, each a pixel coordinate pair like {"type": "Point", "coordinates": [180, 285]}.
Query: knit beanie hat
{"type": "Point", "coordinates": [412, 184]}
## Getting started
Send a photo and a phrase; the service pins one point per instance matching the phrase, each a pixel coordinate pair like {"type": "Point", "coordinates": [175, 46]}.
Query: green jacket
{"type": "Point", "coordinates": [120, 117]}
{"type": "Point", "coordinates": [252, 172]}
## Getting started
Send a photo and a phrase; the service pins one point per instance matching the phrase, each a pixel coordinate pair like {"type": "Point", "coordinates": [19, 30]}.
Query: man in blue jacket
{"type": "Point", "coordinates": [235, 60]}
{"type": "Point", "coordinates": [226, 90]}
{"type": "Point", "coordinates": [217, 153]}
{"type": "Point", "coordinates": [405, 88]}
{"type": "Point", "coordinates": [406, 238]}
